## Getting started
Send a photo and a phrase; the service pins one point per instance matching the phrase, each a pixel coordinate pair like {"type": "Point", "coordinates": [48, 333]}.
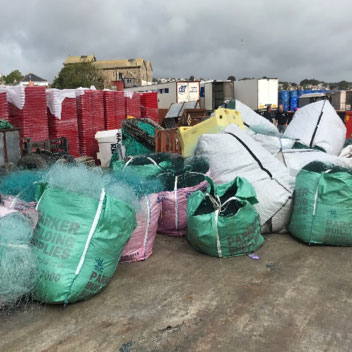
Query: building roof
{"type": "Point", "coordinates": [106, 64]}
{"type": "Point", "coordinates": [313, 95]}
{"type": "Point", "coordinates": [32, 77]}
{"type": "Point", "coordinates": [79, 59]}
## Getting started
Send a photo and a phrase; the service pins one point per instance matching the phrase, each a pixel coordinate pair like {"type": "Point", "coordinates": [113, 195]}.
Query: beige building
{"type": "Point", "coordinates": [139, 70]}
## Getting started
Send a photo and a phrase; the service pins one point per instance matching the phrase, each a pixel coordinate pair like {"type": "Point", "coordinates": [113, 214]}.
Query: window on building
{"type": "Point", "coordinates": [166, 90]}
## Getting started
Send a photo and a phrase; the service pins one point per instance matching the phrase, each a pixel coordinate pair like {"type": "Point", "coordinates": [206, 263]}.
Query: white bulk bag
{"type": "Point", "coordinates": [296, 159]}
{"type": "Point", "coordinates": [234, 153]}
{"type": "Point", "coordinates": [273, 144]}
{"type": "Point", "coordinates": [318, 125]}
{"type": "Point", "coordinates": [256, 122]}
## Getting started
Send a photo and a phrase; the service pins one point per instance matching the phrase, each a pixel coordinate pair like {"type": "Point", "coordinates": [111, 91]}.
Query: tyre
{"type": "Point", "coordinates": [32, 162]}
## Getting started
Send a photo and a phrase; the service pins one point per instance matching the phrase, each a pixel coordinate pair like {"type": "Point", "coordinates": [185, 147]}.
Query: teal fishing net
{"type": "Point", "coordinates": [320, 167]}
{"type": "Point", "coordinates": [22, 184]}
{"type": "Point", "coordinates": [138, 136]}
{"type": "Point", "coordinates": [17, 260]}
{"type": "Point", "coordinates": [90, 182]}
{"type": "Point", "coordinates": [156, 172]}
{"type": "Point", "coordinates": [190, 173]}
{"type": "Point", "coordinates": [348, 142]}
{"type": "Point", "coordinates": [299, 145]}
{"type": "Point", "coordinates": [133, 147]}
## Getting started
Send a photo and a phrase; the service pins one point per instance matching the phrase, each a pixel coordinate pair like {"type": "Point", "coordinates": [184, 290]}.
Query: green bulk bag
{"type": "Point", "coordinates": [222, 221]}
{"type": "Point", "coordinates": [322, 207]}
{"type": "Point", "coordinates": [79, 241]}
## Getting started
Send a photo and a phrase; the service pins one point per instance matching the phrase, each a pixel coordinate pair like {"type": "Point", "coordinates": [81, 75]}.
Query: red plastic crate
{"type": "Point", "coordinates": [27, 111]}
{"type": "Point", "coordinates": [149, 105]}
{"type": "Point", "coordinates": [62, 116]}
{"type": "Point", "coordinates": [110, 117]}
{"type": "Point", "coordinates": [85, 122]}
{"type": "Point", "coordinates": [120, 108]}
{"type": "Point", "coordinates": [4, 111]}
{"type": "Point", "coordinates": [133, 104]}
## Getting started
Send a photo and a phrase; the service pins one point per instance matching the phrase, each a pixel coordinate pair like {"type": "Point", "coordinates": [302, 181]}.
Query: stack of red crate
{"type": "Point", "coordinates": [109, 110]}
{"type": "Point", "coordinates": [120, 109]}
{"type": "Point", "coordinates": [4, 111]}
{"type": "Point", "coordinates": [98, 115]}
{"type": "Point", "coordinates": [62, 116]}
{"type": "Point", "coordinates": [86, 133]}
{"type": "Point", "coordinates": [27, 111]}
{"type": "Point", "coordinates": [133, 104]}
{"type": "Point", "coordinates": [98, 110]}
{"type": "Point", "coordinates": [149, 102]}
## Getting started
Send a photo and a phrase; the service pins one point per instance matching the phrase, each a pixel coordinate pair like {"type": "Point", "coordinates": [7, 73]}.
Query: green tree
{"type": "Point", "coordinates": [307, 82]}
{"type": "Point", "coordinates": [79, 75]}
{"type": "Point", "coordinates": [13, 77]}
{"type": "Point", "coordinates": [343, 85]}
{"type": "Point", "coordinates": [231, 78]}
{"type": "Point", "coordinates": [191, 78]}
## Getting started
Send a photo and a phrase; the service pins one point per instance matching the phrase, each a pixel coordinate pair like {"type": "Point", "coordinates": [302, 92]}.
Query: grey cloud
{"type": "Point", "coordinates": [291, 40]}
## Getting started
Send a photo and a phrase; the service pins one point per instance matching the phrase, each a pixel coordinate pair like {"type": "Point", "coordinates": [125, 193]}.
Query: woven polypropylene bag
{"type": "Point", "coordinates": [322, 208]}
{"type": "Point", "coordinates": [222, 221]}
{"type": "Point", "coordinates": [79, 242]}
{"type": "Point", "coordinates": [141, 244]}
{"type": "Point", "coordinates": [173, 219]}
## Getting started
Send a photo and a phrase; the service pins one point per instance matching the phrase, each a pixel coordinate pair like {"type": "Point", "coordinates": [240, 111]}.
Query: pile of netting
{"type": "Point", "coordinates": [138, 136]}
{"type": "Point", "coordinates": [17, 260]}
{"type": "Point", "coordinates": [88, 181]}
{"type": "Point", "coordinates": [5, 125]}
{"type": "Point", "coordinates": [21, 184]}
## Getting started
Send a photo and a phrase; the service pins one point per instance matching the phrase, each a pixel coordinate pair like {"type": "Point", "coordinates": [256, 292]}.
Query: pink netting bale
{"type": "Point", "coordinates": [140, 246]}
{"type": "Point", "coordinates": [10, 204]}
{"type": "Point", "coordinates": [173, 219]}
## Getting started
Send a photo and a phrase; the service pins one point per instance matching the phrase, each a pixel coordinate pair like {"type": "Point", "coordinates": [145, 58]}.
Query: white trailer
{"type": "Point", "coordinates": [172, 92]}
{"type": "Point", "coordinates": [215, 93]}
{"type": "Point", "coordinates": [257, 93]}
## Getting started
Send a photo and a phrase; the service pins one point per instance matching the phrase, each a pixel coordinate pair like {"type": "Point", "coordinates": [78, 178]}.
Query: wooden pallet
{"type": "Point", "coordinates": [166, 141]}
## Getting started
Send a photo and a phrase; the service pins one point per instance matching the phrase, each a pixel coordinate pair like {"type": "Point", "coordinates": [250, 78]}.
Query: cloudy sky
{"type": "Point", "coordinates": [291, 40]}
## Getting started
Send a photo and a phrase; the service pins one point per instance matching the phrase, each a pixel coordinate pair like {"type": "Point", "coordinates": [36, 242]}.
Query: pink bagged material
{"type": "Point", "coordinates": [10, 204]}
{"type": "Point", "coordinates": [173, 219]}
{"type": "Point", "coordinates": [140, 246]}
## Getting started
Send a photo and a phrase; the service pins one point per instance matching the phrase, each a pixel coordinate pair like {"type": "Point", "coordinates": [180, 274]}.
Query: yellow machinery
{"type": "Point", "coordinates": [189, 136]}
